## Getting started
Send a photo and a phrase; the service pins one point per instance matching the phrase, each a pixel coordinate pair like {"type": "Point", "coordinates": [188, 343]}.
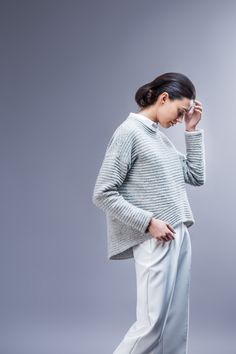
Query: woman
{"type": "Point", "coordinates": [141, 186]}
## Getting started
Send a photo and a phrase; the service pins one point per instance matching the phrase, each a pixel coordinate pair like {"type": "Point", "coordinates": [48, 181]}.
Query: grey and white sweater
{"type": "Point", "coordinates": [142, 176]}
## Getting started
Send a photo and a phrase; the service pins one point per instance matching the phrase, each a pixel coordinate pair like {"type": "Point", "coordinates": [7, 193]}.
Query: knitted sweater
{"type": "Point", "coordinates": [142, 176]}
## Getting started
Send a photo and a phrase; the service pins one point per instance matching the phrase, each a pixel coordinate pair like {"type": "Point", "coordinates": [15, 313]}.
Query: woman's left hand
{"type": "Point", "coordinates": [193, 117]}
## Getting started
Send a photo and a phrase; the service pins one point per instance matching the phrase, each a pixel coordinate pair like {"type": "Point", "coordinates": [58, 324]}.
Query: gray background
{"type": "Point", "coordinates": [69, 71]}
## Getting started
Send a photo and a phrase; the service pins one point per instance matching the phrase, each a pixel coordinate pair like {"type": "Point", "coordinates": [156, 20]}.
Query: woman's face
{"type": "Point", "coordinates": [170, 112]}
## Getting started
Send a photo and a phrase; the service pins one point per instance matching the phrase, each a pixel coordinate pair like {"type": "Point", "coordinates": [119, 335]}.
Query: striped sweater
{"type": "Point", "coordinates": [142, 176]}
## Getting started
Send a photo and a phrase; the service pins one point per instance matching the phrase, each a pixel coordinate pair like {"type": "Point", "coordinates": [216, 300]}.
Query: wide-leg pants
{"type": "Point", "coordinates": [162, 309]}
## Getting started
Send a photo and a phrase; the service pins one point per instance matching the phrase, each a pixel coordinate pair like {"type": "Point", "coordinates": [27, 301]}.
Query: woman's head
{"type": "Point", "coordinates": [166, 98]}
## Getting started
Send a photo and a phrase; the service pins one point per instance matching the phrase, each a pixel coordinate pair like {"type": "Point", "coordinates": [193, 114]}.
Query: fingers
{"type": "Point", "coordinates": [172, 237]}
{"type": "Point", "coordinates": [168, 236]}
{"type": "Point", "coordinates": [171, 228]}
{"type": "Point", "coordinates": [198, 105]}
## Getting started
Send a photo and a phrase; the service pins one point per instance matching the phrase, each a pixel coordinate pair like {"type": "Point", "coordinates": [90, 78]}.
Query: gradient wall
{"type": "Point", "coordinates": [69, 71]}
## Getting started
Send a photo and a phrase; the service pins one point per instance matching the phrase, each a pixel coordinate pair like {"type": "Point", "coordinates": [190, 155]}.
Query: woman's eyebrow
{"type": "Point", "coordinates": [186, 109]}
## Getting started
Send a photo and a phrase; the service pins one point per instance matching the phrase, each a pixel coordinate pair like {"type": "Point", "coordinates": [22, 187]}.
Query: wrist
{"type": "Point", "coordinates": [193, 129]}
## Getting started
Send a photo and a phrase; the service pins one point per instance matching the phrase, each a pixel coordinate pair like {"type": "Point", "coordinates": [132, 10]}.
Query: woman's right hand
{"type": "Point", "coordinates": [161, 230]}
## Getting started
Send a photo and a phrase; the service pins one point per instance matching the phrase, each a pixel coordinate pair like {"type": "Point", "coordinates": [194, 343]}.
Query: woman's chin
{"type": "Point", "coordinates": [171, 124]}
{"type": "Point", "coordinates": [168, 125]}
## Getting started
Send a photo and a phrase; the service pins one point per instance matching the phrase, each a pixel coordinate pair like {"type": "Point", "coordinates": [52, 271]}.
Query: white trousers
{"type": "Point", "coordinates": [162, 310]}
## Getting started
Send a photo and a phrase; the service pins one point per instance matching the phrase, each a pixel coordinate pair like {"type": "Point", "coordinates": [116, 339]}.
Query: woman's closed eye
{"type": "Point", "coordinates": [181, 113]}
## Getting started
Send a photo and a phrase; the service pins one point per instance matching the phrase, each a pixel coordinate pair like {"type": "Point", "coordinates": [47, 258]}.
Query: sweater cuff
{"type": "Point", "coordinates": [194, 132]}
{"type": "Point", "coordinates": [145, 221]}
{"type": "Point", "coordinates": [194, 140]}
{"type": "Point", "coordinates": [149, 222]}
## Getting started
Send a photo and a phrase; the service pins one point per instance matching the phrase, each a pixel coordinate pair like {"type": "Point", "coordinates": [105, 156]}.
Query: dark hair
{"type": "Point", "coordinates": [177, 85]}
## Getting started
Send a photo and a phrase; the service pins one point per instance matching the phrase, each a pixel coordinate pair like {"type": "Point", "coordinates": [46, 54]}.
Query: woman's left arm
{"type": "Point", "coordinates": [193, 163]}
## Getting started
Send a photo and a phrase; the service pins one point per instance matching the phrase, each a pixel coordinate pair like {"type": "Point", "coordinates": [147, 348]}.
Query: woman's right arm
{"type": "Point", "coordinates": [112, 173]}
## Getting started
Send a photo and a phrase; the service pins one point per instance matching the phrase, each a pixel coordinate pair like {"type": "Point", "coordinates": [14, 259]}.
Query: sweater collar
{"type": "Point", "coordinates": [147, 121]}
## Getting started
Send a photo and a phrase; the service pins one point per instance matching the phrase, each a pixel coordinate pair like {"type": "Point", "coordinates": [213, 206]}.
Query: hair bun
{"type": "Point", "coordinates": [149, 96]}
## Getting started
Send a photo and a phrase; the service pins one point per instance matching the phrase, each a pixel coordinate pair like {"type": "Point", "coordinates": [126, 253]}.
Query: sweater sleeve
{"type": "Point", "coordinates": [193, 163]}
{"type": "Point", "coordinates": [112, 173]}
